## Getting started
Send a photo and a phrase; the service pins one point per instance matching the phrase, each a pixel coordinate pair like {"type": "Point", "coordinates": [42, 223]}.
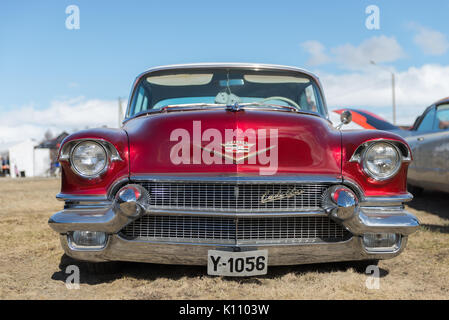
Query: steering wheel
{"type": "Point", "coordinates": [289, 101]}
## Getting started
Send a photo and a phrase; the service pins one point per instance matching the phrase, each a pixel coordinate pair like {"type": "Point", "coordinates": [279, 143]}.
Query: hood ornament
{"type": "Point", "coordinates": [231, 151]}
{"type": "Point", "coordinates": [237, 146]}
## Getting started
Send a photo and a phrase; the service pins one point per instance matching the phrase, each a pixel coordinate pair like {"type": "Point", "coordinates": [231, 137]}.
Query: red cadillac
{"type": "Point", "coordinates": [235, 167]}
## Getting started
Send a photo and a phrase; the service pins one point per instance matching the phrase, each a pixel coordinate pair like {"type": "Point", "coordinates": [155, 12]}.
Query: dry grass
{"type": "Point", "coordinates": [32, 265]}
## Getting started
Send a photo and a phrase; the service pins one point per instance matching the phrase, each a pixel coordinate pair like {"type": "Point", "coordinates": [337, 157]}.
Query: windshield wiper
{"type": "Point", "coordinates": [192, 106]}
{"type": "Point", "coordinates": [230, 107]}
{"type": "Point", "coordinates": [267, 106]}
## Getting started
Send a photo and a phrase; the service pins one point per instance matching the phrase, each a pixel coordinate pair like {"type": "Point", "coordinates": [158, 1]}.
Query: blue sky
{"type": "Point", "coordinates": [41, 61]}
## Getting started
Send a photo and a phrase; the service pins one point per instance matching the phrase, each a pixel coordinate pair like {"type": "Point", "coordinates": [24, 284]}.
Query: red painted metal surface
{"type": "Point", "coordinates": [307, 145]}
{"type": "Point", "coordinates": [76, 185]}
{"type": "Point", "coordinates": [353, 170]}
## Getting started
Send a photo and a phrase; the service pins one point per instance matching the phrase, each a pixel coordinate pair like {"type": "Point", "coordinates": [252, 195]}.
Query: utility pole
{"type": "Point", "coordinates": [120, 112]}
{"type": "Point", "coordinates": [393, 88]}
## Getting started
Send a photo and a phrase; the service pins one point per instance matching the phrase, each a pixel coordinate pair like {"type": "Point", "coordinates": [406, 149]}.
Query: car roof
{"type": "Point", "coordinates": [256, 66]}
{"type": "Point", "coordinates": [231, 65]}
{"type": "Point", "coordinates": [444, 100]}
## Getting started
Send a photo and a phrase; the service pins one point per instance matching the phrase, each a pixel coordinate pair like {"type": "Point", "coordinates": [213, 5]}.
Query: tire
{"type": "Point", "coordinates": [100, 268]}
{"type": "Point", "coordinates": [361, 266]}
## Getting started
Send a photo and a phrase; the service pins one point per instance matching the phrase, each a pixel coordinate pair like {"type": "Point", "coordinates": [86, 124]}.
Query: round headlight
{"type": "Point", "coordinates": [381, 160]}
{"type": "Point", "coordinates": [89, 158]}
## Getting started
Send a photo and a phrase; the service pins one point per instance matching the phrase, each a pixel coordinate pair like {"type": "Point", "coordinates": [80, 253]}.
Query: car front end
{"type": "Point", "coordinates": [232, 184]}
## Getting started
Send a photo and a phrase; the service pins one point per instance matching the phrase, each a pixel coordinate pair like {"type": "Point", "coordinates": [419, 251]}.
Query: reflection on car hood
{"type": "Point", "coordinates": [306, 144]}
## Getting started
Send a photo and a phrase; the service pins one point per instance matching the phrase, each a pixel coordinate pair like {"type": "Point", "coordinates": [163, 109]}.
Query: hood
{"type": "Point", "coordinates": [225, 142]}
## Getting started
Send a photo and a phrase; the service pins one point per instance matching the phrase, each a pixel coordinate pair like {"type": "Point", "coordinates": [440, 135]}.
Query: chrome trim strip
{"type": "Point", "coordinates": [87, 205]}
{"type": "Point", "coordinates": [386, 210]}
{"type": "Point", "coordinates": [232, 178]}
{"type": "Point", "coordinates": [248, 214]}
{"type": "Point", "coordinates": [234, 244]}
{"type": "Point", "coordinates": [224, 242]}
{"type": "Point", "coordinates": [76, 198]}
{"type": "Point", "coordinates": [386, 201]}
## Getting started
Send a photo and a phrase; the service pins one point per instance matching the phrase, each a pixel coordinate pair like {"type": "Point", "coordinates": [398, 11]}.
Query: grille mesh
{"type": "Point", "coordinates": [234, 197]}
{"type": "Point", "coordinates": [230, 230]}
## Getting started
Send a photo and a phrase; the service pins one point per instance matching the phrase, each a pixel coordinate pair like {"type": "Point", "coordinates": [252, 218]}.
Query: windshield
{"type": "Point", "coordinates": [208, 87]}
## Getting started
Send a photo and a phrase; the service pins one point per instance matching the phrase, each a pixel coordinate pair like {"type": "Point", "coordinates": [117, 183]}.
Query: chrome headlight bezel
{"type": "Point", "coordinates": [372, 174]}
{"type": "Point", "coordinates": [67, 149]}
{"type": "Point", "coordinates": [401, 148]}
{"type": "Point", "coordinates": [83, 174]}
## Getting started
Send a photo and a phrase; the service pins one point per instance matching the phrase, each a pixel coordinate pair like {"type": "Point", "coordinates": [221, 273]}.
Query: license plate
{"type": "Point", "coordinates": [237, 264]}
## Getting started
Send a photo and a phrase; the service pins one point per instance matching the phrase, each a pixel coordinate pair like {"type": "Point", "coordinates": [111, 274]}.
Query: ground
{"type": "Point", "coordinates": [32, 264]}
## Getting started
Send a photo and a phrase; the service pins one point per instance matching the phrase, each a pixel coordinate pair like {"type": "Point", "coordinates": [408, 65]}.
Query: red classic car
{"type": "Point", "coordinates": [235, 167]}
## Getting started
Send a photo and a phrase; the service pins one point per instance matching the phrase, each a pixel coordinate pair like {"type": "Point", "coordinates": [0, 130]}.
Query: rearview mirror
{"type": "Point", "coordinates": [231, 82]}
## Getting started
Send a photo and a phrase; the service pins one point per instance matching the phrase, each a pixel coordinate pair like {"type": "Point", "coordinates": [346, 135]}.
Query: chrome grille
{"type": "Point", "coordinates": [233, 197]}
{"type": "Point", "coordinates": [229, 230]}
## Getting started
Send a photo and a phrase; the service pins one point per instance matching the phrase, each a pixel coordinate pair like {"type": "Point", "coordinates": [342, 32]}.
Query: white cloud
{"type": "Point", "coordinates": [416, 88]}
{"type": "Point", "coordinates": [62, 115]}
{"type": "Point", "coordinates": [381, 49]}
{"type": "Point", "coordinates": [430, 41]}
{"type": "Point", "coordinates": [73, 85]}
{"type": "Point", "coordinates": [316, 50]}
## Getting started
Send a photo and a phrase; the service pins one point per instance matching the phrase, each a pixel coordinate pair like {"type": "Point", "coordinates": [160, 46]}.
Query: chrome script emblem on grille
{"type": "Point", "coordinates": [237, 146]}
{"type": "Point", "coordinates": [267, 197]}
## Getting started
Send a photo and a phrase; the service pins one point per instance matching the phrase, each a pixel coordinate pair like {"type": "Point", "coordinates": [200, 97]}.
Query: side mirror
{"type": "Point", "coordinates": [345, 118]}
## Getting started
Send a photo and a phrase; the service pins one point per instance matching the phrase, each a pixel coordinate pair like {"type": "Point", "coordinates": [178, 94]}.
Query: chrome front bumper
{"type": "Point", "coordinates": [119, 249]}
{"type": "Point", "coordinates": [376, 215]}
